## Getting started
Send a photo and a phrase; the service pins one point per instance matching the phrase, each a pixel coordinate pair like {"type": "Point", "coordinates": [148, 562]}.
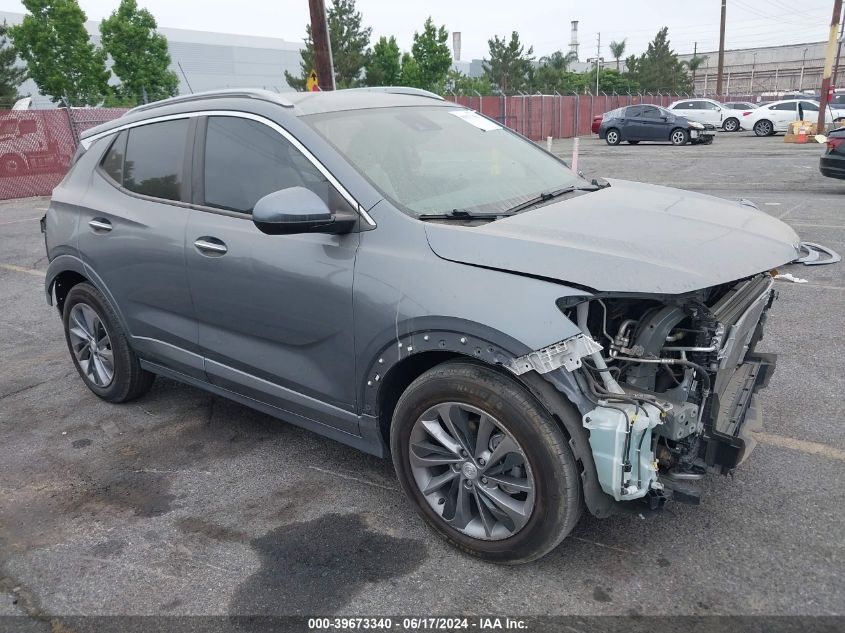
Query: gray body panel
{"type": "Point", "coordinates": [629, 237]}
{"type": "Point", "coordinates": [275, 307]}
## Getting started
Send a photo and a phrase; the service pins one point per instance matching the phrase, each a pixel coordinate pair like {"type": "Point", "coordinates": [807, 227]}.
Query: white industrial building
{"type": "Point", "coordinates": [768, 69]}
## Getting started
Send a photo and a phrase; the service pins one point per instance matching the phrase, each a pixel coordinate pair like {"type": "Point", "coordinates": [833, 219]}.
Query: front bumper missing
{"type": "Point", "coordinates": [729, 440]}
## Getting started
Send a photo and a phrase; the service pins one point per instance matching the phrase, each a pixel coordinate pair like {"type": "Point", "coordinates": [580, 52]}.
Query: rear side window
{"type": "Point", "coordinates": [634, 111]}
{"type": "Point", "coordinates": [155, 158]}
{"type": "Point", "coordinates": [787, 105]}
{"type": "Point", "coordinates": [113, 161]}
{"type": "Point", "coordinates": [245, 160]}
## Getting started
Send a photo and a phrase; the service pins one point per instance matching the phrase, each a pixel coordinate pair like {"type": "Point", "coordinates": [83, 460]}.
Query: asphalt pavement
{"type": "Point", "coordinates": [183, 503]}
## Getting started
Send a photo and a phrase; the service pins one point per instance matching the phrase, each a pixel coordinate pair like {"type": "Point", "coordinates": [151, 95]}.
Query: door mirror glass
{"type": "Point", "coordinates": [298, 210]}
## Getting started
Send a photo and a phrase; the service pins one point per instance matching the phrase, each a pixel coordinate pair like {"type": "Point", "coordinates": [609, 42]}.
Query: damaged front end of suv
{"type": "Point", "coordinates": [671, 382]}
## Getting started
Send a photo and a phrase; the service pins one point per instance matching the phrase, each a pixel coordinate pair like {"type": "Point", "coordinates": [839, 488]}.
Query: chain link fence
{"type": "Point", "coordinates": [36, 146]}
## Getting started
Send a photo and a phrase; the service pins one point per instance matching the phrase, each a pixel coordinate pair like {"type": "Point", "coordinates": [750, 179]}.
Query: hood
{"type": "Point", "coordinates": [629, 237]}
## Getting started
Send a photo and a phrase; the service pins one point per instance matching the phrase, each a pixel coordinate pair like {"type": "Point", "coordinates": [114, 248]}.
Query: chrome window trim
{"type": "Point", "coordinates": [87, 141]}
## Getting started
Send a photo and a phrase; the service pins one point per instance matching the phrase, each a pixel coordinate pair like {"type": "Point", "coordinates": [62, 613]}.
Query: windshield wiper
{"type": "Point", "coordinates": [461, 214]}
{"type": "Point", "coordinates": [548, 195]}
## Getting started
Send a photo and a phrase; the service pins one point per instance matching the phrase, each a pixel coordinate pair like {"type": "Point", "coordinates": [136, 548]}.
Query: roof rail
{"type": "Point", "coordinates": [249, 93]}
{"type": "Point", "coordinates": [398, 90]}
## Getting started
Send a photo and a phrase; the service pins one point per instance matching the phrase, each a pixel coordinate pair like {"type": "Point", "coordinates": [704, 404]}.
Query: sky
{"type": "Point", "coordinates": [543, 24]}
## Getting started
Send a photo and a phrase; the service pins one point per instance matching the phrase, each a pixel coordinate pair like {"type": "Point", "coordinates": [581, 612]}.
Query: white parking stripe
{"type": "Point", "coordinates": [803, 446]}
{"type": "Point", "coordinates": [21, 269]}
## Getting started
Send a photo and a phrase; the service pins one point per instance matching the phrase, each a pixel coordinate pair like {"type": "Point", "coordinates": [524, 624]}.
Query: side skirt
{"type": "Point", "coordinates": [370, 440]}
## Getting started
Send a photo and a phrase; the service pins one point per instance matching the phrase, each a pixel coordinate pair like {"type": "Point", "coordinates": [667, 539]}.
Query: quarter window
{"type": "Point", "coordinates": [155, 157]}
{"type": "Point", "coordinates": [113, 160]}
{"type": "Point", "coordinates": [245, 160]}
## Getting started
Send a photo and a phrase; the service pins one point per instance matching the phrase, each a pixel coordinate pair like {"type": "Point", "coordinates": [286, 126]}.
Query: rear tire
{"type": "Point", "coordinates": [514, 493]}
{"type": "Point", "coordinates": [731, 125]}
{"type": "Point", "coordinates": [612, 136]}
{"type": "Point", "coordinates": [100, 348]}
{"type": "Point", "coordinates": [679, 136]}
{"type": "Point", "coordinates": [12, 165]}
{"type": "Point", "coordinates": [764, 127]}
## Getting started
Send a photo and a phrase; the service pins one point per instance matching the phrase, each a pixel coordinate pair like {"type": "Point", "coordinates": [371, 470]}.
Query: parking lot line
{"type": "Point", "coordinates": [19, 221]}
{"type": "Point", "coordinates": [21, 269]}
{"type": "Point", "coordinates": [803, 446]}
{"type": "Point", "coordinates": [353, 478]}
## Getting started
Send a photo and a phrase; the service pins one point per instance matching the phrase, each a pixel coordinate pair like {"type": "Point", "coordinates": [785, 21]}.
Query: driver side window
{"type": "Point", "coordinates": [245, 160]}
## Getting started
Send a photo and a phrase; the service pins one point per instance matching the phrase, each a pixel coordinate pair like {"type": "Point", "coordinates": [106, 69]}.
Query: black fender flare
{"type": "Point", "coordinates": [64, 263]}
{"type": "Point", "coordinates": [557, 391]}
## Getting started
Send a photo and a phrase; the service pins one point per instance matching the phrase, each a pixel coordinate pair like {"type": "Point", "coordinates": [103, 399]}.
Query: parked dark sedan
{"type": "Point", "coordinates": [832, 162]}
{"type": "Point", "coordinates": [652, 123]}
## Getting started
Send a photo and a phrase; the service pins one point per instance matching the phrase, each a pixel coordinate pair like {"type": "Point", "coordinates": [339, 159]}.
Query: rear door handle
{"type": "Point", "coordinates": [210, 246]}
{"type": "Point", "coordinates": [100, 225]}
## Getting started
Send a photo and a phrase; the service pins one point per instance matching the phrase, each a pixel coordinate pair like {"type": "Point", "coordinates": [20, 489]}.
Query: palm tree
{"type": "Point", "coordinates": [693, 64]}
{"type": "Point", "coordinates": [617, 49]}
{"type": "Point", "coordinates": [559, 60]}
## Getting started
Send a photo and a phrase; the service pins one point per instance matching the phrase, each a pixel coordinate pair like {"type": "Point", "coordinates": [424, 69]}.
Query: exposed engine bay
{"type": "Point", "coordinates": [674, 385]}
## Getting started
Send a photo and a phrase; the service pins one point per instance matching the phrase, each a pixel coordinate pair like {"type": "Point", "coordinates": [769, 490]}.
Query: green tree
{"type": "Point", "coordinates": [510, 64]}
{"type": "Point", "coordinates": [350, 42]}
{"type": "Point", "coordinates": [385, 65]}
{"type": "Point", "coordinates": [61, 59]}
{"type": "Point", "coordinates": [458, 82]}
{"type": "Point", "coordinates": [658, 69]}
{"type": "Point", "coordinates": [410, 75]}
{"type": "Point", "coordinates": [559, 60]}
{"type": "Point", "coordinates": [139, 54]}
{"type": "Point", "coordinates": [11, 75]}
{"type": "Point", "coordinates": [693, 64]}
{"type": "Point", "coordinates": [617, 49]}
{"type": "Point", "coordinates": [432, 59]}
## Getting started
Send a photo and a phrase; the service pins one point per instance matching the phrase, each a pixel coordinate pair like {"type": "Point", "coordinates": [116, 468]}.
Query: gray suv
{"type": "Point", "coordinates": [410, 278]}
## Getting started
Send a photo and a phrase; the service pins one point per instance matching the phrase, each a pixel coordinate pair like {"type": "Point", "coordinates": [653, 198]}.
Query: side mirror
{"type": "Point", "coordinates": [298, 210]}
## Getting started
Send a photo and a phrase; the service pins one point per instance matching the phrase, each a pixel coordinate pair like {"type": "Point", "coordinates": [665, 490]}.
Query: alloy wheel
{"type": "Point", "coordinates": [731, 125]}
{"type": "Point", "coordinates": [612, 137]}
{"type": "Point", "coordinates": [763, 128]}
{"type": "Point", "coordinates": [678, 137]}
{"type": "Point", "coordinates": [91, 345]}
{"type": "Point", "coordinates": [471, 471]}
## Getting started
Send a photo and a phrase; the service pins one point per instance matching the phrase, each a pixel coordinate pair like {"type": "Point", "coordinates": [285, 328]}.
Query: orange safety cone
{"type": "Point", "coordinates": [802, 133]}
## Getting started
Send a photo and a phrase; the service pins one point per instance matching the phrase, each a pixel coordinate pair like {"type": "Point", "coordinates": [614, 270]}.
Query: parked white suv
{"type": "Point", "coordinates": [704, 111]}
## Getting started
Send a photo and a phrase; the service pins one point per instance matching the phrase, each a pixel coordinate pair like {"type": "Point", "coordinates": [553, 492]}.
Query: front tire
{"type": "Point", "coordinates": [99, 347]}
{"type": "Point", "coordinates": [679, 136]}
{"type": "Point", "coordinates": [731, 125]}
{"type": "Point", "coordinates": [612, 136]}
{"type": "Point", "coordinates": [484, 463]}
{"type": "Point", "coordinates": [764, 128]}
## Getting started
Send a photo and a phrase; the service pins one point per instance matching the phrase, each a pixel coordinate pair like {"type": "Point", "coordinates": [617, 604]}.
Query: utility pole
{"type": "Point", "coordinates": [751, 85]}
{"type": "Point", "coordinates": [598, 62]}
{"type": "Point", "coordinates": [828, 62]}
{"type": "Point", "coordinates": [721, 51]}
{"type": "Point", "coordinates": [838, 52]}
{"type": "Point", "coordinates": [801, 79]}
{"type": "Point", "coordinates": [322, 45]}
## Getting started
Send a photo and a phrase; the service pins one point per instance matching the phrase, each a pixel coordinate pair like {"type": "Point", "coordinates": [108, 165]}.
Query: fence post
{"type": "Point", "coordinates": [542, 114]}
{"type": "Point", "coordinates": [480, 102]}
{"type": "Point", "coordinates": [576, 116]}
{"type": "Point", "coordinates": [559, 117]}
{"type": "Point", "coordinates": [74, 133]}
{"type": "Point", "coordinates": [504, 108]}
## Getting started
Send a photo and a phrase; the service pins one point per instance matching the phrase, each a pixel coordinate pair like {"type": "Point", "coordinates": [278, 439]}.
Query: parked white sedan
{"type": "Point", "coordinates": [776, 117]}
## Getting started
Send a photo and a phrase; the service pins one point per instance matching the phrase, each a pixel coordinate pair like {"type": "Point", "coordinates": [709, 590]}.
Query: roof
{"type": "Point", "coordinates": [296, 103]}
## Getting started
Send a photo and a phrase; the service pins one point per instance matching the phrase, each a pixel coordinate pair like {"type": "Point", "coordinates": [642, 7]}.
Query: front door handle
{"type": "Point", "coordinates": [210, 246]}
{"type": "Point", "coordinates": [100, 225]}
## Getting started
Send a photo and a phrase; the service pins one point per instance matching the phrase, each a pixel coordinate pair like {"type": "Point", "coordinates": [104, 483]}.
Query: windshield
{"type": "Point", "coordinates": [433, 159]}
